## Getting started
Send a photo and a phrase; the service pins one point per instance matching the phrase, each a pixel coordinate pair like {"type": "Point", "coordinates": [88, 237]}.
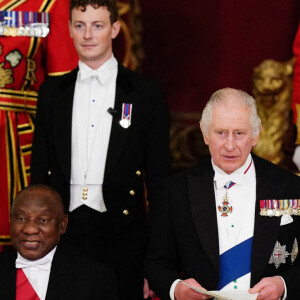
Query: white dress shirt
{"type": "Point", "coordinates": [37, 272]}
{"type": "Point", "coordinates": [91, 125]}
{"type": "Point", "coordinates": [238, 226]}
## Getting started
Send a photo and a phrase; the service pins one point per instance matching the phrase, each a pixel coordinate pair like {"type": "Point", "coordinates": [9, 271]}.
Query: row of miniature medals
{"type": "Point", "coordinates": [277, 208]}
{"type": "Point", "coordinates": [24, 23]}
{"type": "Point", "coordinates": [268, 208]}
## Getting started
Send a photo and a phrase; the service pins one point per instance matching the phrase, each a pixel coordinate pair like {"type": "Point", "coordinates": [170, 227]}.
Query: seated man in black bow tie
{"type": "Point", "coordinates": [41, 269]}
{"type": "Point", "coordinates": [231, 222]}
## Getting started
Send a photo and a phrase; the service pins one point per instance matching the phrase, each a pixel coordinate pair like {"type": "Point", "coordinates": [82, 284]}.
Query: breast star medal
{"type": "Point", "coordinates": [279, 255]}
{"type": "Point", "coordinates": [225, 208]}
{"type": "Point", "coordinates": [295, 251]}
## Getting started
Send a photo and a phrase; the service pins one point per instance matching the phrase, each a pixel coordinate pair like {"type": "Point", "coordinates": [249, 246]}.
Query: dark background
{"type": "Point", "coordinates": [194, 47]}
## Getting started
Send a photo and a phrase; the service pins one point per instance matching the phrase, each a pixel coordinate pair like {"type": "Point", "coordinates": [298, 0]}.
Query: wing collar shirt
{"type": "Point", "coordinates": [239, 224]}
{"type": "Point", "coordinates": [91, 125]}
{"type": "Point", "coordinates": [37, 272]}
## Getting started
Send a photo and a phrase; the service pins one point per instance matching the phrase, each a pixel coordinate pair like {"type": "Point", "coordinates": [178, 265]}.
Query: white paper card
{"type": "Point", "coordinates": [225, 295]}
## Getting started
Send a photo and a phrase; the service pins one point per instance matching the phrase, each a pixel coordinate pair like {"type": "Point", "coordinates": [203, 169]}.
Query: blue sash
{"type": "Point", "coordinates": [235, 263]}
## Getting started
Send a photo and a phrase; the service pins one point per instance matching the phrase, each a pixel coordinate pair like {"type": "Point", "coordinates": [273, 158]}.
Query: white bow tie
{"type": "Point", "coordinates": [101, 75]}
{"type": "Point", "coordinates": [42, 264]}
{"type": "Point", "coordinates": [224, 179]}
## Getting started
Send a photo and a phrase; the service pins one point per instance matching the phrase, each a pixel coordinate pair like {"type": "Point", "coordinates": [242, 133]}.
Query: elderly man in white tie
{"type": "Point", "coordinates": [231, 223]}
{"type": "Point", "coordinates": [41, 269]}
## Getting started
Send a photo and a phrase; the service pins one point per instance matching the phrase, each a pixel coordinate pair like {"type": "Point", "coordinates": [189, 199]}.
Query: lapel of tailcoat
{"type": "Point", "coordinates": [118, 134]}
{"type": "Point", "coordinates": [203, 207]}
{"type": "Point", "coordinates": [9, 277]}
{"type": "Point", "coordinates": [202, 201]}
{"type": "Point", "coordinates": [63, 277]}
{"type": "Point", "coordinates": [62, 122]}
{"type": "Point", "coordinates": [266, 229]}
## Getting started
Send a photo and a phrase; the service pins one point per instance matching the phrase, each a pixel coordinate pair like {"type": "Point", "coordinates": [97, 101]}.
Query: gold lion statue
{"type": "Point", "coordinates": [272, 89]}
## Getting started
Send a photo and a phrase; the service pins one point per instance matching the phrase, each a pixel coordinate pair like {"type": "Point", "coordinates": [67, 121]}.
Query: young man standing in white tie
{"type": "Point", "coordinates": [101, 137]}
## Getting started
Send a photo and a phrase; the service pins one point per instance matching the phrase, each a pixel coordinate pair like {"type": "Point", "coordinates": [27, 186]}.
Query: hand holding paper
{"type": "Point", "coordinates": [223, 295]}
{"type": "Point", "coordinates": [183, 290]}
{"type": "Point", "coordinates": [269, 288]}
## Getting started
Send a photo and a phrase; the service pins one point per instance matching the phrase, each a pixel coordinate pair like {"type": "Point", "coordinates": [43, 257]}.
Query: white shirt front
{"type": "Point", "coordinates": [91, 125]}
{"type": "Point", "coordinates": [238, 226]}
{"type": "Point", "coordinates": [38, 277]}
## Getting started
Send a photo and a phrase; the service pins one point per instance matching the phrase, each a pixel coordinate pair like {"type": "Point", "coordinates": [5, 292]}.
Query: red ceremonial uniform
{"type": "Point", "coordinates": [296, 86]}
{"type": "Point", "coordinates": [34, 42]}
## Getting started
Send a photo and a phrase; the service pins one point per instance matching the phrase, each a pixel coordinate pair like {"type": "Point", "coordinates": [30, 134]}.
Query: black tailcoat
{"type": "Point", "coordinates": [72, 277]}
{"type": "Point", "coordinates": [136, 155]}
{"type": "Point", "coordinates": [185, 243]}
{"type": "Point", "coordinates": [143, 147]}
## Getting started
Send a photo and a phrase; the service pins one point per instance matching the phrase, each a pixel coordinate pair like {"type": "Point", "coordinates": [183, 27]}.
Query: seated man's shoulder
{"type": "Point", "coordinates": [7, 257]}
{"type": "Point", "coordinates": [7, 263]}
{"type": "Point", "coordinates": [82, 264]}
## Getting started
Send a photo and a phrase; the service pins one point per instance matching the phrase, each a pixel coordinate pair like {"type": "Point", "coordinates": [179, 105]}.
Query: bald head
{"type": "Point", "coordinates": [42, 192]}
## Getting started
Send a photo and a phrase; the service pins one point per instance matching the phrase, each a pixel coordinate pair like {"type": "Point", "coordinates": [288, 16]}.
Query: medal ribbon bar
{"type": "Point", "coordinates": [24, 23]}
{"type": "Point", "coordinates": [279, 207]}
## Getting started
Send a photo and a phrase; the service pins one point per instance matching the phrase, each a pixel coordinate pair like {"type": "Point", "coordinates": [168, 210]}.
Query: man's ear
{"type": "Point", "coordinates": [255, 139]}
{"type": "Point", "coordinates": [206, 138]}
{"type": "Point", "coordinates": [115, 29]}
{"type": "Point", "coordinates": [70, 28]}
{"type": "Point", "coordinates": [63, 224]}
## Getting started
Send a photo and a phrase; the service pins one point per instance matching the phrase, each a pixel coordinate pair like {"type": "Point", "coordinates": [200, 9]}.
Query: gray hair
{"type": "Point", "coordinates": [223, 95]}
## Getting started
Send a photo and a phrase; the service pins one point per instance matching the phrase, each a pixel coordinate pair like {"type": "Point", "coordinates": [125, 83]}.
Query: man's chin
{"type": "Point", "coordinates": [230, 166]}
{"type": "Point", "coordinates": [31, 254]}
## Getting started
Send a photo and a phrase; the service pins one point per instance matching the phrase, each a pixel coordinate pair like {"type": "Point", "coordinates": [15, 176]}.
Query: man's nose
{"type": "Point", "coordinates": [88, 32]}
{"type": "Point", "coordinates": [30, 228]}
{"type": "Point", "coordinates": [230, 143]}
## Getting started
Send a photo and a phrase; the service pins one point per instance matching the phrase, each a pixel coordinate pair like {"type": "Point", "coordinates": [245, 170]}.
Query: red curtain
{"type": "Point", "coordinates": [196, 47]}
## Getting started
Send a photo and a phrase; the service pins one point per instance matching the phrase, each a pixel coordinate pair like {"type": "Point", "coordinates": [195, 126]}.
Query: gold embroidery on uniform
{"type": "Point", "coordinates": [36, 47]}
{"type": "Point", "coordinates": [46, 6]}
{"type": "Point", "coordinates": [12, 4]}
{"type": "Point", "coordinates": [59, 73]}
{"type": "Point", "coordinates": [30, 54]}
{"type": "Point", "coordinates": [295, 251]}
{"type": "Point", "coordinates": [5, 76]}
{"type": "Point", "coordinates": [14, 154]}
{"type": "Point", "coordinates": [30, 69]}
{"type": "Point", "coordinates": [25, 128]}
{"type": "Point", "coordinates": [7, 158]}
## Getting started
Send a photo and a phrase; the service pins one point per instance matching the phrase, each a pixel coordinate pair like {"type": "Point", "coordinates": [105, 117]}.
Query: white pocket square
{"type": "Point", "coordinates": [286, 219]}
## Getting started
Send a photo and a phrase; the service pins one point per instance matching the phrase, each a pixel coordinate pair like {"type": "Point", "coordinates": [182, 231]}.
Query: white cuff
{"type": "Point", "coordinates": [285, 290]}
{"type": "Point", "coordinates": [172, 289]}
